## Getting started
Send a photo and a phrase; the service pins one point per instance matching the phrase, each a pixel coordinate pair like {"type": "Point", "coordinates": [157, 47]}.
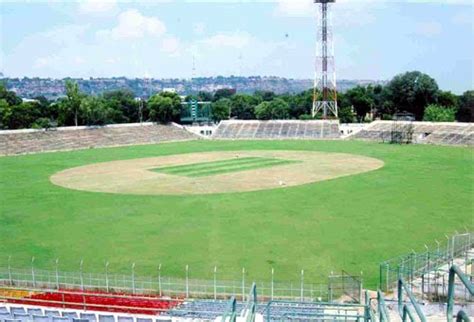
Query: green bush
{"type": "Point", "coordinates": [438, 113]}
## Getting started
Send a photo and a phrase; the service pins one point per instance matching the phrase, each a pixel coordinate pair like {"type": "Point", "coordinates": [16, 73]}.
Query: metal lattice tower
{"type": "Point", "coordinates": [325, 72]}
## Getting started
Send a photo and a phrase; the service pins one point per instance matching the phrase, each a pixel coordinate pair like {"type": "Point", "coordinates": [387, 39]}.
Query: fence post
{"type": "Point", "coordinates": [33, 271]}
{"type": "Point", "coordinates": [302, 285]}
{"type": "Point", "coordinates": [133, 278]}
{"type": "Point", "coordinates": [107, 276]}
{"type": "Point", "coordinates": [215, 282]}
{"type": "Point", "coordinates": [187, 281]}
{"type": "Point", "coordinates": [447, 249]}
{"type": "Point", "coordinates": [272, 283]}
{"type": "Point", "coordinates": [57, 273]}
{"type": "Point", "coordinates": [10, 270]}
{"type": "Point", "coordinates": [159, 279]}
{"type": "Point", "coordinates": [243, 283]}
{"type": "Point", "coordinates": [80, 274]}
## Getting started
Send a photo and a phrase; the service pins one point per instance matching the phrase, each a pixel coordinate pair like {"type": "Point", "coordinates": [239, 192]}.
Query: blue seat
{"type": "Point", "coordinates": [41, 318]}
{"type": "Point", "coordinates": [71, 315]}
{"type": "Point", "coordinates": [14, 310]}
{"type": "Point", "coordinates": [124, 319]}
{"type": "Point", "coordinates": [106, 318]}
{"type": "Point", "coordinates": [34, 311]}
{"type": "Point", "coordinates": [5, 315]}
{"type": "Point", "coordinates": [51, 313]}
{"type": "Point", "coordinates": [88, 316]}
{"type": "Point", "coordinates": [60, 319]}
{"type": "Point", "coordinates": [21, 316]}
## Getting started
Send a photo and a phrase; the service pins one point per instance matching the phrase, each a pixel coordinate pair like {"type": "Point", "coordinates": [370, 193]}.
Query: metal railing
{"type": "Point", "coordinates": [415, 265]}
{"type": "Point", "coordinates": [294, 310]}
{"type": "Point", "coordinates": [453, 271]}
{"type": "Point", "coordinates": [230, 315]}
{"type": "Point", "coordinates": [177, 287]}
{"type": "Point", "coordinates": [403, 308]}
{"type": "Point", "coordinates": [382, 307]}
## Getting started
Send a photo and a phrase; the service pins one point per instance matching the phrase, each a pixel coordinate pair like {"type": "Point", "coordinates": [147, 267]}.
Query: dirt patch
{"type": "Point", "coordinates": [136, 176]}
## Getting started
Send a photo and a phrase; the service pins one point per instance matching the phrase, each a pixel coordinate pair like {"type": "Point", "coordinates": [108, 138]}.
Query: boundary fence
{"type": "Point", "coordinates": [336, 286]}
{"type": "Point", "coordinates": [415, 265]}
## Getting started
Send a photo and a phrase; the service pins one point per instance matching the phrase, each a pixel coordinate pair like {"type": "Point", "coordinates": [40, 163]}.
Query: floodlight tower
{"type": "Point", "coordinates": [325, 72]}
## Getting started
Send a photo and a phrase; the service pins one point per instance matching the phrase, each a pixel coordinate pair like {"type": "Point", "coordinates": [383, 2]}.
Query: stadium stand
{"type": "Point", "coordinates": [71, 138]}
{"type": "Point", "coordinates": [39, 314]}
{"type": "Point", "coordinates": [423, 132]}
{"type": "Point", "coordinates": [97, 301]}
{"type": "Point", "coordinates": [281, 129]}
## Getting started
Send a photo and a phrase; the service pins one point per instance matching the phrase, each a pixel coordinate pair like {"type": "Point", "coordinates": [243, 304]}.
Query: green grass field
{"type": "Point", "coordinates": [351, 223]}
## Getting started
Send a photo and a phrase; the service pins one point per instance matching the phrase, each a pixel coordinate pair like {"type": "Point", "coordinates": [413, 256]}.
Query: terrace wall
{"type": "Point", "coordinates": [281, 129]}
{"type": "Point", "coordinates": [83, 137]}
{"type": "Point", "coordinates": [438, 133]}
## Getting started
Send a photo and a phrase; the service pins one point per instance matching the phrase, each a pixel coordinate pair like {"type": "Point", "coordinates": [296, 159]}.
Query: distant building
{"type": "Point", "coordinates": [29, 100]}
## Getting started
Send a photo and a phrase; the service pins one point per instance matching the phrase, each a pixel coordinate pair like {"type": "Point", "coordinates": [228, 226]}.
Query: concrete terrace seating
{"type": "Point", "coordinates": [41, 315]}
{"type": "Point", "coordinates": [70, 138]}
{"type": "Point", "coordinates": [423, 132]}
{"type": "Point", "coordinates": [281, 129]}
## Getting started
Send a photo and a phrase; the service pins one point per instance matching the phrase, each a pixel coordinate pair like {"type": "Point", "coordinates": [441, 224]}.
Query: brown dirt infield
{"type": "Point", "coordinates": [135, 176]}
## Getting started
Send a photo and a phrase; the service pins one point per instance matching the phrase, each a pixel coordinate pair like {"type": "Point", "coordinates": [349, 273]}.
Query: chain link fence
{"type": "Point", "coordinates": [33, 278]}
{"type": "Point", "coordinates": [415, 265]}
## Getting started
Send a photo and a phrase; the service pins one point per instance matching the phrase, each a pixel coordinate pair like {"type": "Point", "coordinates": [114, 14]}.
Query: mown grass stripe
{"type": "Point", "coordinates": [177, 168]}
{"type": "Point", "coordinates": [220, 166]}
{"type": "Point", "coordinates": [239, 168]}
{"type": "Point", "coordinates": [208, 165]}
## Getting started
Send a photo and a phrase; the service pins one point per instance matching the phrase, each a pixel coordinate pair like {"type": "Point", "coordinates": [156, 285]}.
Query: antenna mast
{"type": "Point", "coordinates": [324, 91]}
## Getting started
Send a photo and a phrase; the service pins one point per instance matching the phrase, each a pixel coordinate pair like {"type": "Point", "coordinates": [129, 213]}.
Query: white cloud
{"type": "Point", "coordinates": [295, 8]}
{"type": "Point", "coordinates": [307, 8]}
{"type": "Point", "coordinates": [132, 24]}
{"type": "Point", "coordinates": [97, 6]}
{"type": "Point", "coordinates": [237, 40]}
{"type": "Point", "coordinates": [428, 29]}
{"type": "Point", "coordinates": [170, 45]}
{"type": "Point", "coordinates": [199, 28]}
{"type": "Point", "coordinates": [463, 18]}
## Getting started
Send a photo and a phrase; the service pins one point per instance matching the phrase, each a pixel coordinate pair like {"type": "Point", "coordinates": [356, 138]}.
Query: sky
{"type": "Point", "coordinates": [373, 39]}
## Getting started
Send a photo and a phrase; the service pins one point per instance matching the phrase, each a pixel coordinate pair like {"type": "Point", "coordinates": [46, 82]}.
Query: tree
{"type": "Point", "coordinates": [123, 102]}
{"type": "Point", "coordinates": [223, 93]}
{"type": "Point", "coordinates": [263, 111]}
{"type": "Point", "coordinates": [412, 92]}
{"type": "Point", "coordinates": [22, 116]}
{"type": "Point", "coordinates": [377, 95]}
{"type": "Point", "coordinates": [301, 104]}
{"type": "Point", "coordinates": [360, 99]}
{"type": "Point", "coordinates": [448, 99]}
{"type": "Point", "coordinates": [9, 96]}
{"type": "Point", "coordinates": [73, 100]}
{"type": "Point", "coordinates": [242, 106]}
{"type": "Point", "coordinates": [265, 95]}
{"type": "Point", "coordinates": [4, 113]}
{"type": "Point", "coordinates": [165, 107]}
{"type": "Point", "coordinates": [346, 115]}
{"type": "Point", "coordinates": [465, 112]}
{"type": "Point", "coordinates": [204, 96]}
{"type": "Point", "coordinates": [280, 110]}
{"type": "Point", "coordinates": [95, 111]}
{"type": "Point", "coordinates": [437, 113]}
{"type": "Point", "coordinates": [221, 109]}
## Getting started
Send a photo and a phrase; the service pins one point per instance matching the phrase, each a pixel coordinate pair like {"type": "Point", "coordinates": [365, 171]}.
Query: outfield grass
{"type": "Point", "coordinates": [351, 223]}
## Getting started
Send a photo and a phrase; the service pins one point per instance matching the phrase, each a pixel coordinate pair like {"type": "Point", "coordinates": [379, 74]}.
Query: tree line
{"type": "Point", "coordinates": [412, 92]}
